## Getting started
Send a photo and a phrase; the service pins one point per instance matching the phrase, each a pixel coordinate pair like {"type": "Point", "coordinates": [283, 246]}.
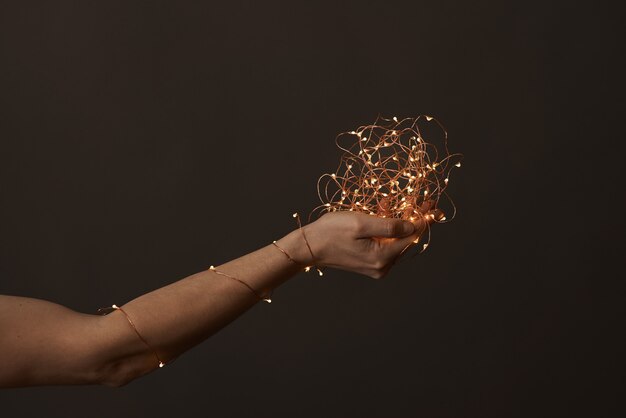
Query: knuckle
{"type": "Point", "coordinates": [379, 273]}
{"type": "Point", "coordinates": [358, 225]}
{"type": "Point", "coordinates": [379, 264]}
{"type": "Point", "coordinates": [391, 227]}
{"type": "Point", "coordinates": [376, 275]}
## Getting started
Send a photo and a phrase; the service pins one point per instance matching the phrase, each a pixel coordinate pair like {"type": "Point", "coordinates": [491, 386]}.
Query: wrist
{"type": "Point", "coordinates": [295, 245]}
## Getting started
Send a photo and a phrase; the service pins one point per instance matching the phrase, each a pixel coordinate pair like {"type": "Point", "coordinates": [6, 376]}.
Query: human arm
{"type": "Point", "coordinates": [42, 343]}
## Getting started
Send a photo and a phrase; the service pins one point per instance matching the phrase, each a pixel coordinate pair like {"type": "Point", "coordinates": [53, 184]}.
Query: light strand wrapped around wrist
{"type": "Point", "coordinates": [306, 241]}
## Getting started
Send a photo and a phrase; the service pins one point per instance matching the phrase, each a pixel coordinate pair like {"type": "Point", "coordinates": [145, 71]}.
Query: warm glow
{"type": "Point", "coordinates": [393, 171]}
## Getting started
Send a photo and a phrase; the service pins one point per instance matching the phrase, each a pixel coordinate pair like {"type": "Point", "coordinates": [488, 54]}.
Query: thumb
{"type": "Point", "coordinates": [387, 227]}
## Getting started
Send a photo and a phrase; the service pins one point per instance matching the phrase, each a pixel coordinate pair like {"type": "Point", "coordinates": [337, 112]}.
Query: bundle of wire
{"type": "Point", "coordinates": [390, 169]}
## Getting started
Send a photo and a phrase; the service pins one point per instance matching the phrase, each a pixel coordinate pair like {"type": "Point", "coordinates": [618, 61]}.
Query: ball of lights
{"type": "Point", "coordinates": [392, 170]}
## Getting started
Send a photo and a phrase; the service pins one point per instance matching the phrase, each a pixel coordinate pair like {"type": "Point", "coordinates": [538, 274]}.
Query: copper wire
{"type": "Point", "coordinates": [389, 169]}
{"type": "Point", "coordinates": [106, 311]}
{"type": "Point", "coordinates": [284, 252]}
{"type": "Point", "coordinates": [306, 241]}
{"type": "Point", "coordinates": [260, 297]}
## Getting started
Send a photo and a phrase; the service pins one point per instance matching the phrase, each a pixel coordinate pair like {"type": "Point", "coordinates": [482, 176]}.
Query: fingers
{"type": "Point", "coordinates": [398, 245]}
{"type": "Point", "coordinates": [372, 226]}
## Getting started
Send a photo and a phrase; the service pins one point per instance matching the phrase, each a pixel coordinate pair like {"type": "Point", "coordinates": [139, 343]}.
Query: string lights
{"type": "Point", "coordinates": [108, 310]}
{"type": "Point", "coordinates": [267, 299]}
{"type": "Point", "coordinates": [390, 169]}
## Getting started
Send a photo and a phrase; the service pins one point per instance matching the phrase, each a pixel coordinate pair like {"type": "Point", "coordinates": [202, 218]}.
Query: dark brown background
{"type": "Point", "coordinates": [142, 141]}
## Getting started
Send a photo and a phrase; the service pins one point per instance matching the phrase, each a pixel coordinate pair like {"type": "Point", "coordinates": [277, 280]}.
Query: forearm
{"type": "Point", "coordinates": [43, 343]}
{"type": "Point", "coordinates": [176, 317]}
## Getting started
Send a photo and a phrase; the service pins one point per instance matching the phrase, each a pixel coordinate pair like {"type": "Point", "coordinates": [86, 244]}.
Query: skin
{"type": "Point", "coordinates": [42, 343]}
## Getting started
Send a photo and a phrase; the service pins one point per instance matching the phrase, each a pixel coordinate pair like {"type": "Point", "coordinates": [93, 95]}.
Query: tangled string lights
{"type": "Point", "coordinates": [390, 169]}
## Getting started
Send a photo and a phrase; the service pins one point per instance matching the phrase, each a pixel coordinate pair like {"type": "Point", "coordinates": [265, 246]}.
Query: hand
{"type": "Point", "coordinates": [357, 242]}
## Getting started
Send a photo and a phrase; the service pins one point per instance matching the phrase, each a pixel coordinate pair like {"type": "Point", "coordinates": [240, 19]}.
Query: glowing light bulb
{"type": "Point", "coordinates": [458, 164]}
